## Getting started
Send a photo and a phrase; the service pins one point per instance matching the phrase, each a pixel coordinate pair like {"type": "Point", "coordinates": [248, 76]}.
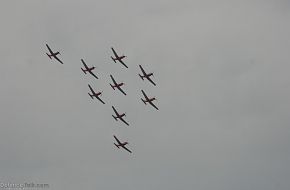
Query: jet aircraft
{"type": "Point", "coordinates": [118, 58]}
{"type": "Point", "coordinates": [117, 85]}
{"type": "Point", "coordinates": [149, 100]}
{"type": "Point", "coordinates": [53, 54]}
{"type": "Point", "coordinates": [119, 116]}
{"type": "Point", "coordinates": [146, 75]}
{"type": "Point", "coordinates": [96, 95]}
{"type": "Point", "coordinates": [88, 69]}
{"type": "Point", "coordinates": [120, 144]}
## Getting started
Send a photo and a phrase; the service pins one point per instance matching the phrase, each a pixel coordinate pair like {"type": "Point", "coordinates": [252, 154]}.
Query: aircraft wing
{"type": "Point", "coordinates": [115, 110]}
{"type": "Point", "coordinates": [93, 74]}
{"type": "Point", "coordinates": [91, 88]}
{"type": "Point", "coordinates": [126, 149]}
{"type": "Point", "coordinates": [121, 90]}
{"type": "Point", "coordinates": [151, 81]}
{"type": "Point", "coordinates": [58, 59]}
{"type": "Point", "coordinates": [117, 140]}
{"type": "Point", "coordinates": [116, 55]}
{"type": "Point", "coordinates": [50, 51]}
{"type": "Point", "coordinates": [85, 65]}
{"type": "Point", "coordinates": [120, 60]}
{"type": "Point", "coordinates": [153, 105]}
{"type": "Point", "coordinates": [113, 80]}
{"type": "Point", "coordinates": [142, 70]}
{"type": "Point", "coordinates": [121, 118]}
{"type": "Point", "coordinates": [144, 94]}
{"type": "Point", "coordinates": [100, 99]}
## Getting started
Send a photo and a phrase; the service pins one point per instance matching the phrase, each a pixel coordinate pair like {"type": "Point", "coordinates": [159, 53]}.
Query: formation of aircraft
{"type": "Point", "coordinates": [53, 54]}
{"type": "Point", "coordinates": [88, 69]}
{"type": "Point", "coordinates": [120, 144]}
{"type": "Point", "coordinates": [117, 85]}
{"type": "Point", "coordinates": [118, 58]}
{"type": "Point", "coordinates": [146, 75]}
{"type": "Point", "coordinates": [95, 95]}
{"type": "Point", "coordinates": [148, 100]}
{"type": "Point", "coordinates": [119, 116]}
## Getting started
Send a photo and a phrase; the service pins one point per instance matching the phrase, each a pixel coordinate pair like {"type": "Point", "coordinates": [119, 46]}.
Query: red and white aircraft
{"type": "Point", "coordinates": [118, 58]}
{"type": "Point", "coordinates": [96, 95]}
{"type": "Point", "coordinates": [53, 54]}
{"type": "Point", "coordinates": [119, 116]}
{"type": "Point", "coordinates": [146, 75]}
{"type": "Point", "coordinates": [149, 100]}
{"type": "Point", "coordinates": [117, 85]}
{"type": "Point", "coordinates": [88, 69]}
{"type": "Point", "coordinates": [120, 144]}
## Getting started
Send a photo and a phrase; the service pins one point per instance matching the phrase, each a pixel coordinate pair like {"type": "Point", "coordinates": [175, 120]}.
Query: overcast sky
{"type": "Point", "coordinates": [223, 88]}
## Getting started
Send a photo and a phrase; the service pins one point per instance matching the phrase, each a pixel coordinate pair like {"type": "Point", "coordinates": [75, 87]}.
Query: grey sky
{"type": "Point", "coordinates": [223, 88]}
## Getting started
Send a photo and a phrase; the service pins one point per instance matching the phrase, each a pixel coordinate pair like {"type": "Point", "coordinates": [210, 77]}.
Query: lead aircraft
{"type": "Point", "coordinates": [120, 144]}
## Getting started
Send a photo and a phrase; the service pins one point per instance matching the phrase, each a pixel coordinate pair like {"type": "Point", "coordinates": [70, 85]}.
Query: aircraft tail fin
{"type": "Point", "coordinates": [116, 145]}
{"type": "Point", "coordinates": [83, 70]}
{"type": "Point", "coordinates": [143, 101]}
{"type": "Point", "coordinates": [141, 77]}
{"type": "Point", "coordinates": [48, 55]}
{"type": "Point", "coordinates": [91, 95]}
{"type": "Point", "coordinates": [112, 86]}
{"type": "Point", "coordinates": [115, 117]}
{"type": "Point", "coordinates": [113, 59]}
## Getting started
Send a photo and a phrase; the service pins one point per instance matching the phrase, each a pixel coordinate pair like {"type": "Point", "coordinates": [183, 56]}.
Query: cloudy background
{"type": "Point", "coordinates": [223, 88]}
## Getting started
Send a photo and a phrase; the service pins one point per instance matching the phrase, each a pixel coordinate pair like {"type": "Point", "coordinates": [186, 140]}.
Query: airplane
{"type": "Point", "coordinates": [145, 75]}
{"type": "Point", "coordinates": [116, 85]}
{"type": "Point", "coordinates": [149, 100]}
{"type": "Point", "coordinates": [88, 69]}
{"type": "Point", "coordinates": [96, 95]}
{"type": "Point", "coordinates": [117, 58]}
{"type": "Point", "coordinates": [123, 145]}
{"type": "Point", "coordinates": [119, 116]}
{"type": "Point", "coordinates": [52, 54]}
